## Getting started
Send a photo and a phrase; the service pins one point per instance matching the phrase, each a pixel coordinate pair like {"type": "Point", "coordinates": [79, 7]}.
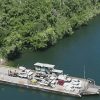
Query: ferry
{"type": "Point", "coordinates": [46, 78]}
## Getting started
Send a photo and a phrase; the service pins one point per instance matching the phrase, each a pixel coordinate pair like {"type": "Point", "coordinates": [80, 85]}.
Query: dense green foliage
{"type": "Point", "coordinates": [38, 24]}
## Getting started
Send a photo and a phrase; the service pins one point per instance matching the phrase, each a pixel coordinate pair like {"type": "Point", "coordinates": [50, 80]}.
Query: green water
{"type": "Point", "coordinates": [70, 55]}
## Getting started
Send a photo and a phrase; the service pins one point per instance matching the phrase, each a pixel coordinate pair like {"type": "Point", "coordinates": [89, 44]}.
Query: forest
{"type": "Point", "coordinates": [38, 24]}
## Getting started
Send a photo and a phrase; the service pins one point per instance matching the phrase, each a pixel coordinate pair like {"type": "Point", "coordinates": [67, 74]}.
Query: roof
{"type": "Point", "coordinates": [57, 71]}
{"type": "Point", "coordinates": [61, 77]}
{"type": "Point", "coordinates": [22, 68]}
{"type": "Point", "coordinates": [44, 65]}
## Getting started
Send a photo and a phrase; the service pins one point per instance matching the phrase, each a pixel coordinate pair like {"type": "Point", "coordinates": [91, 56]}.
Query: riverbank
{"type": "Point", "coordinates": [3, 61]}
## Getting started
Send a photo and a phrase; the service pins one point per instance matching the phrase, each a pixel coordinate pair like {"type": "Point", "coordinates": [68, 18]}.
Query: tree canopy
{"type": "Point", "coordinates": [37, 24]}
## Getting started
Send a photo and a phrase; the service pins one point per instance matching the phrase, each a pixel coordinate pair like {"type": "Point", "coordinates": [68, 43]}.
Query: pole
{"type": "Point", "coordinates": [84, 72]}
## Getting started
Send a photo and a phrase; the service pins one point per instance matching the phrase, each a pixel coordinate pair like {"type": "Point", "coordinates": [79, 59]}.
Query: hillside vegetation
{"type": "Point", "coordinates": [37, 24]}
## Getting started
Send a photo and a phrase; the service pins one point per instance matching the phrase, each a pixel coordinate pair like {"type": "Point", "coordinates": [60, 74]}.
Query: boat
{"type": "Point", "coordinates": [46, 78]}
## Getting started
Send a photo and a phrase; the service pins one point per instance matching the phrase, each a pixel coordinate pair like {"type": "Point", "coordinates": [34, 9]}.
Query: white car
{"type": "Point", "coordinates": [22, 75]}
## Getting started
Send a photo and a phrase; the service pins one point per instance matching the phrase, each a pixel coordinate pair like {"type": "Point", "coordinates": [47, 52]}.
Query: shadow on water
{"type": "Point", "coordinates": [14, 55]}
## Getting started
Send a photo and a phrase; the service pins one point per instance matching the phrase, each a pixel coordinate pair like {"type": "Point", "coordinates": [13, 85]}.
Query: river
{"type": "Point", "coordinates": [71, 55]}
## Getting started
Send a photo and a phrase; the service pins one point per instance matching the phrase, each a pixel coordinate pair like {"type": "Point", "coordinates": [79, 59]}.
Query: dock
{"type": "Point", "coordinates": [72, 86]}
